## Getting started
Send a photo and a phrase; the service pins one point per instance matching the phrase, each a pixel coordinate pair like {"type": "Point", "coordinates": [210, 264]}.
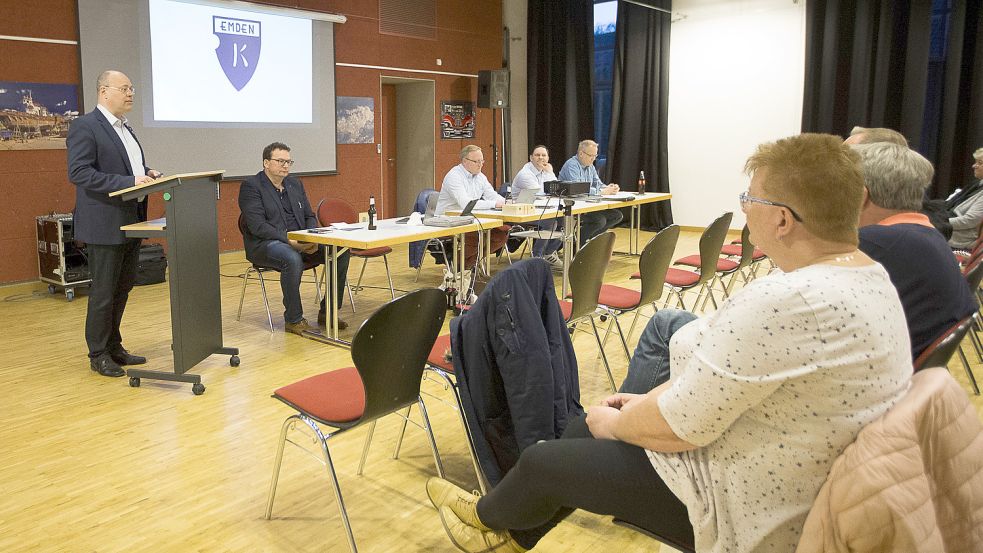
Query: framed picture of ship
{"type": "Point", "coordinates": [35, 116]}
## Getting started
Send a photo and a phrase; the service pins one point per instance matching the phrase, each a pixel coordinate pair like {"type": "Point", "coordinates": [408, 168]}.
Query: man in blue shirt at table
{"type": "Point", "coordinates": [272, 204]}
{"type": "Point", "coordinates": [580, 168]}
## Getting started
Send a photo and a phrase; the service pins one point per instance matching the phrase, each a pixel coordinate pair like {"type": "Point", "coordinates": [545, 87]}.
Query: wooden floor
{"type": "Point", "coordinates": [89, 464]}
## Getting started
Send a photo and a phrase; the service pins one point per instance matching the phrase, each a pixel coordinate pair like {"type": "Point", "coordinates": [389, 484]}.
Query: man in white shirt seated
{"type": "Point", "coordinates": [531, 177]}
{"type": "Point", "coordinates": [463, 183]}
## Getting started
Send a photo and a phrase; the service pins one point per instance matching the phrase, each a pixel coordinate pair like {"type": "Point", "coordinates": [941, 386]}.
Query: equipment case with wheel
{"type": "Point", "coordinates": [61, 261]}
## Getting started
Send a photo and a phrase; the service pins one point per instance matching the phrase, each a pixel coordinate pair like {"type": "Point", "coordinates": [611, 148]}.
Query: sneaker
{"type": "Point", "coordinates": [468, 538]}
{"type": "Point", "coordinates": [299, 327]}
{"type": "Point", "coordinates": [555, 262]}
{"type": "Point", "coordinates": [445, 494]}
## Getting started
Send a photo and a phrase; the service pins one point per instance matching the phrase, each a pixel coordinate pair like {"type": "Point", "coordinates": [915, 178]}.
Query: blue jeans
{"type": "Point", "coordinates": [290, 262]}
{"type": "Point", "coordinates": [596, 222]}
{"type": "Point", "coordinates": [542, 248]}
{"type": "Point", "coordinates": [649, 365]}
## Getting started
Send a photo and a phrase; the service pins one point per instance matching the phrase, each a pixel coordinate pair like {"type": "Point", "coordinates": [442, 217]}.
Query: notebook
{"type": "Point", "coordinates": [526, 196]}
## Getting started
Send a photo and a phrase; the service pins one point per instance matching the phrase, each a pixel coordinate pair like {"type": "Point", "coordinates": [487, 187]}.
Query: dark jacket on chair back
{"type": "Point", "coordinates": [515, 366]}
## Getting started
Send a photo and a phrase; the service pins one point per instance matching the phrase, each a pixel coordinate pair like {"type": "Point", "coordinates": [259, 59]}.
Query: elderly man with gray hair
{"type": "Point", "coordinates": [917, 258]}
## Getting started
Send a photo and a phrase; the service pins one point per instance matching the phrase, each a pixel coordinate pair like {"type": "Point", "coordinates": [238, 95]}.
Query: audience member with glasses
{"type": "Point", "coordinates": [463, 183]}
{"type": "Point", "coordinates": [104, 156]}
{"type": "Point", "coordinates": [272, 204]}
{"type": "Point", "coordinates": [753, 402]}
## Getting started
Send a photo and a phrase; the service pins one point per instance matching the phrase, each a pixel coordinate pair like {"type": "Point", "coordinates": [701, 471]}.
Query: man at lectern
{"type": "Point", "coordinates": [104, 156]}
{"type": "Point", "coordinates": [272, 204]}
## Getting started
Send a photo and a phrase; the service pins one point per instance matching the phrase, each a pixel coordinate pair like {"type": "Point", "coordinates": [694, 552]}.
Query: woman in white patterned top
{"type": "Point", "coordinates": [765, 393]}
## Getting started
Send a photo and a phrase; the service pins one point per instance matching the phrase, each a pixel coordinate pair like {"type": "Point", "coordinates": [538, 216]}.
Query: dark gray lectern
{"type": "Point", "coordinates": [191, 232]}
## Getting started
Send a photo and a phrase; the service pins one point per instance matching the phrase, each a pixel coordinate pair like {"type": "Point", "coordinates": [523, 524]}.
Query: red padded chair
{"type": "Point", "coordinates": [939, 352]}
{"type": "Point", "coordinates": [748, 255]}
{"type": "Point", "coordinates": [652, 267]}
{"type": "Point", "coordinates": [380, 383]}
{"type": "Point", "coordinates": [709, 262]}
{"type": "Point", "coordinates": [586, 277]}
{"type": "Point", "coordinates": [333, 210]}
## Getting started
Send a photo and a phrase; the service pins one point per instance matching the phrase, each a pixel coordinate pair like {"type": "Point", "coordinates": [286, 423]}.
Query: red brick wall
{"type": "Point", "coordinates": [36, 182]}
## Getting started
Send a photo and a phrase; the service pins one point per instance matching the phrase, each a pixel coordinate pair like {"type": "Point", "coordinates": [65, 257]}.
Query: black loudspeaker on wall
{"type": "Point", "coordinates": [493, 88]}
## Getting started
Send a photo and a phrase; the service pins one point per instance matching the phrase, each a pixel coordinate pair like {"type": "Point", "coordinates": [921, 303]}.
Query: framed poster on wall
{"type": "Point", "coordinates": [456, 119]}
{"type": "Point", "coordinates": [35, 116]}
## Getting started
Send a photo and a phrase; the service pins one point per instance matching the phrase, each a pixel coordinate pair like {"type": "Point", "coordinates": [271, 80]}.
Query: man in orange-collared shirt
{"type": "Point", "coordinates": [933, 291]}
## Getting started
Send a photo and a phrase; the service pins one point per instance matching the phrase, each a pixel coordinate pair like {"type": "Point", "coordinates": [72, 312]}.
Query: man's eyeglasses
{"type": "Point", "coordinates": [124, 89]}
{"type": "Point", "coordinates": [746, 199]}
{"type": "Point", "coordinates": [478, 161]}
{"type": "Point", "coordinates": [284, 162]}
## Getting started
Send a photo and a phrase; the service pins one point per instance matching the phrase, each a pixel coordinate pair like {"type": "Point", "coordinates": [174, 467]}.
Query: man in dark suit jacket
{"type": "Point", "coordinates": [104, 156]}
{"type": "Point", "coordinates": [273, 203]}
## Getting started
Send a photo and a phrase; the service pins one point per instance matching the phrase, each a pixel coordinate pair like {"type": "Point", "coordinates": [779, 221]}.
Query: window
{"type": "Point", "coordinates": [605, 17]}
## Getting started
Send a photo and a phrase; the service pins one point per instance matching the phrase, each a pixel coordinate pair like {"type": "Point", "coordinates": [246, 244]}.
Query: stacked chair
{"type": "Point", "coordinates": [708, 262]}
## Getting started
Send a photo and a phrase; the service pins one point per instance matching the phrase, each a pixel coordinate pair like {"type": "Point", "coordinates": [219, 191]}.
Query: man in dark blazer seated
{"type": "Point", "coordinates": [272, 204]}
{"type": "Point", "coordinates": [104, 156]}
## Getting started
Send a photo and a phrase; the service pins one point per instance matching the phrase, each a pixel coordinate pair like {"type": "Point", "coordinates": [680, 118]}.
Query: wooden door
{"type": "Point", "coordinates": [389, 150]}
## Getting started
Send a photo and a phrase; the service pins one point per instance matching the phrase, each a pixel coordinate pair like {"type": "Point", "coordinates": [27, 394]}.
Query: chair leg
{"type": "Point", "coordinates": [266, 301]}
{"type": "Point", "coordinates": [328, 464]}
{"type": "Point", "coordinates": [624, 341]}
{"type": "Point", "coordinates": [402, 431]}
{"type": "Point", "coordinates": [277, 461]}
{"type": "Point", "coordinates": [969, 370]}
{"type": "Point", "coordinates": [365, 448]}
{"type": "Point", "coordinates": [245, 279]}
{"type": "Point", "coordinates": [433, 442]}
{"type": "Point", "coordinates": [449, 382]}
{"type": "Point", "coordinates": [358, 284]}
{"type": "Point", "coordinates": [604, 357]}
{"type": "Point", "coordinates": [392, 291]}
{"type": "Point", "coordinates": [337, 490]}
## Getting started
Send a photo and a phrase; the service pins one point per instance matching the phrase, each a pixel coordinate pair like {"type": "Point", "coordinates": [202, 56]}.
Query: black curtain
{"type": "Point", "coordinates": [560, 75]}
{"type": "Point", "coordinates": [868, 64]}
{"type": "Point", "coordinates": [961, 120]}
{"type": "Point", "coordinates": [640, 106]}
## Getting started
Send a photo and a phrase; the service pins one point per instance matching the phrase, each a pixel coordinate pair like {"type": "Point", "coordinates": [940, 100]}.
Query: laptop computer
{"type": "Point", "coordinates": [432, 220]}
{"type": "Point", "coordinates": [469, 207]}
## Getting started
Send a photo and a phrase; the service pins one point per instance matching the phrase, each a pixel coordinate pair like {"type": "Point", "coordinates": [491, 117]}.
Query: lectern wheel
{"type": "Point", "coordinates": [70, 294]}
{"type": "Point", "coordinates": [51, 288]}
{"type": "Point", "coordinates": [134, 382]}
{"type": "Point", "coordinates": [198, 388]}
{"type": "Point", "coordinates": [234, 360]}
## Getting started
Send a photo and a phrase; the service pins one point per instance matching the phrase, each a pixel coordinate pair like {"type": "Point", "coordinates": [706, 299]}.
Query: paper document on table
{"type": "Point", "coordinates": [623, 196]}
{"type": "Point", "coordinates": [347, 226]}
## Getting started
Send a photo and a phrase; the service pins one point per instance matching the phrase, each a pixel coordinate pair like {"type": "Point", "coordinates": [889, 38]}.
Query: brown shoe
{"type": "Point", "coordinates": [299, 327]}
{"type": "Point", "coordinates": [473, 540]}
{"type": "Point", "coordinates": [322, 320]}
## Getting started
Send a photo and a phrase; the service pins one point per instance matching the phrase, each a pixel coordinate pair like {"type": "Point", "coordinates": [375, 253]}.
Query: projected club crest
{"type": "Point", "coordinates": [239, 43]}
